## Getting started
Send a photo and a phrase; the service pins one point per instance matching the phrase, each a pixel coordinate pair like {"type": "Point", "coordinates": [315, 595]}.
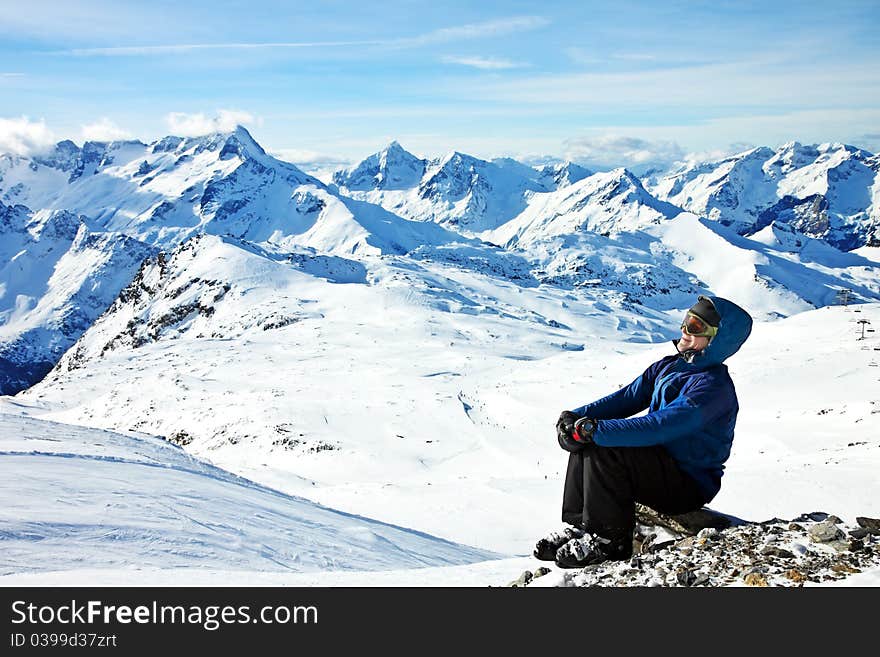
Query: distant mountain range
{"type": "Point", "coordinates": [85, 230]}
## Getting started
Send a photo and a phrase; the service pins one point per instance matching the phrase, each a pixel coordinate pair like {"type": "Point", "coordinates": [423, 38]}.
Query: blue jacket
{"type": "Point", "coordinates": [692, 406]}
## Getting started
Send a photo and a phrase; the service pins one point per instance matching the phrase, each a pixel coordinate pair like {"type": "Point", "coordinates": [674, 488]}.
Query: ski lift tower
{"type": "Point", "coordinates": [864, 323]}
{"type": "Point", "coordinates": [843, 295]}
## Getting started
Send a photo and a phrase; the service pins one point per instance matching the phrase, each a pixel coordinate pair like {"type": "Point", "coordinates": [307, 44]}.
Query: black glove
{"type": "Point", "coordinates": [564, 429]}
{"type": "Point", "coordinates": [584, 430]}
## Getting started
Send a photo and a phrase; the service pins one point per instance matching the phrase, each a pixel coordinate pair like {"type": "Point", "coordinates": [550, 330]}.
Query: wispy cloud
{"type": "Point", "coordinates": [11, 75]}
{"type": "Point", "coordinates": [22, 136]}
{"type": "Point", "coordinates": [180, 49]}
{"type": "Point", "coordinates": [192, 125]}
{"type": "Point", "coordinates": [746, 83]}
{"type": "Point", "coordinates": [483, 63]}
{"type": "Point", "coordinates": [482, 30]}
{"type": "Point", "coordinates": [486, 29]}
{"type": "Point", "coordinates": [103, 130]}
{"type": "Point", "coordinates": [611, 150]}
{"type": "Point", "coordinates": [634, 56]}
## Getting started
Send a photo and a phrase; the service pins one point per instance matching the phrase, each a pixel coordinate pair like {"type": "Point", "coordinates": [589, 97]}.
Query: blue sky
{"type": "Point", "coordinates": [329, 81]}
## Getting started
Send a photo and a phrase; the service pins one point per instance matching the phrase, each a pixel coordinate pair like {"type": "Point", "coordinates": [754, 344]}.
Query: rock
{"type": "Point", "coordinates": [869, 523]}
{"type": "Point", "coordinates": [522, 580]}
{"type": "Point", "coordinates": [756, 579]}
{"type": "Point", "coordinates": [685, 543]}
{"type": "Point", "coordinates": [686, 577]}
{"type": "Point", "coordinates": [773, 551]}
{"type": "Point", "coordinates": [756, 554]}
{"type": "Point", "coordinates": [815, 516]}
{"type": "Point", "coordinates": [825, 532]}
{"type": "Point", "coordinates": [540, 572]}
{"type": "Point", "coordinates": [686, 523]}
{"type": "Point", "coordinates": [844, 568]}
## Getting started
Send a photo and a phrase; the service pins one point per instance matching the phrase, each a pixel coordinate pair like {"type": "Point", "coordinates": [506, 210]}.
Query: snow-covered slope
{"type": "Point", "coordinates": [458, 191]}
{"type": "Point", "coordinates": [605, 203]}
{"type": "Point", "coordinates": [426, 421]}
{"type": "Point", "coordinates": [556, 176]}
{"type": "Point", "coordinates": [222, 184]}
{"type": "Point", "coordinates": [391, 168]}
{"type": "Point", "coordinates": [77, 498]}
{"type": "Point", "coordinates": [827, 191]}
{"type": "Point", "coordinates": [778, 272]}
{"type": "Point", "coordinates": [129, 199]}
{"type": "Point", "coordinates": [56, 278]}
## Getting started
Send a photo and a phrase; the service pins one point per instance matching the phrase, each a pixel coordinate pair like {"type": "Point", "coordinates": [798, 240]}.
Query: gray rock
{"type": "Point", "coordinates": [687, 523]}
{"type": "Point", "coordinates": [522, 580]}
{"type": "Point", "coordinates": [869, 523]}
{"type": "Point", "coordinates": [773, 551]}
{"type": "Point", "coordinates": [825, 532]}
{"type": "Point", "coordinates": [540, 572]}
{"type": "Point", "coordinates": [686, 577]}
{"type": "Point", "coordinates": [815, 516]}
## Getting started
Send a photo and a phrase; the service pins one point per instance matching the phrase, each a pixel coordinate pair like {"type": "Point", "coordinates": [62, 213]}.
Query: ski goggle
{"type": "Point", "coordinates": [693, 325]}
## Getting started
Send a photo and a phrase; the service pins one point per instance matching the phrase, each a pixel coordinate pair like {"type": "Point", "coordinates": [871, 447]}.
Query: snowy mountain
{"type": "Point", "coordinates": [829, 191]}
{"type": "Point", "coordinates": [554, 176]}
{"type": "Point", "coordinates": [391, 168]}
{"type": "Point", "coordinates": [326, 343]}
{"type": "Point", "coordinates": [129, 199]}
{"type": "Point", "coordinates": [458, 191]}
{"type": "Point", "coordinates": [603, 203]}
{"type": "Point", "coordinates": [332, 407]}
{"type": "Point", "coordinates": [559, 226]}
{"type": "Point", "coordinates": [221, 184]}
{"type": "Point", "coordinates": [56, 278]}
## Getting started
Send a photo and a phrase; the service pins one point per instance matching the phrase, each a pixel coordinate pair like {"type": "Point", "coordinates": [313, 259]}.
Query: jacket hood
{"type": "Point", "coordinates": [733, 330]}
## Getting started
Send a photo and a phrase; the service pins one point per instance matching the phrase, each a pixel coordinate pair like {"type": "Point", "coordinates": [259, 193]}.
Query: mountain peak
{"type": "Point", "coordinates": [394, 147]}
{"type": "Point", "coordinates": [391, 168]}
{"type": "Point", "coordinates": [63, 156]}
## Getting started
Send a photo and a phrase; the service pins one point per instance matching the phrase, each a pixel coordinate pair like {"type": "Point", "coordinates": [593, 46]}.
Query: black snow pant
{"type": "Point", "coordinates": [603, 484]}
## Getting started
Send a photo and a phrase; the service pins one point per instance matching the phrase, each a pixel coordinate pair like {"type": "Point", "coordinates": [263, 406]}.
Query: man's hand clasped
{"type": "Point", "coordinates": [574, 433]}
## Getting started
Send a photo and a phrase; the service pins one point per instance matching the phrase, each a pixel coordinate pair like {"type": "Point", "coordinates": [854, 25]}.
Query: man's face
{"type": "Point", "coordinates": [690, 342]}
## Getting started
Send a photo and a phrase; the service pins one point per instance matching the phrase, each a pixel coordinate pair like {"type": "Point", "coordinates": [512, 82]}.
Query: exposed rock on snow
{"type": "Point", "coordinates": [812, 548]}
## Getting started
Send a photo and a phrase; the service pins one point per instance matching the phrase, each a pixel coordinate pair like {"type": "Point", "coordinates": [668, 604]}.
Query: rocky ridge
{"type": "Point", "coordinates": [812, 548]}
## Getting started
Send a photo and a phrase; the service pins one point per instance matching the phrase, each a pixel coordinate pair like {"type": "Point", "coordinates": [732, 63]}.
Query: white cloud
{"type": "Point", "coordinates": [715, 154]}
{"type": "Point", "coordinates": [311, 160]}
{"type": "Point", "coordinates": [470, 31]}
{"type": "Point", "coordinates": [483, 63]}
{"type": "Point", "coordinates": [486, 29]}
{"type": "Point", "coordinates": [759, 82]}
{"type": "Point", "coordinates": [193, 125]}
{"type": "Point", "coordinates": [612, 150]}
{"type": "Point", "coordinates": [25, 137]}
{"type": "Point", "coordinates": [103, 130]}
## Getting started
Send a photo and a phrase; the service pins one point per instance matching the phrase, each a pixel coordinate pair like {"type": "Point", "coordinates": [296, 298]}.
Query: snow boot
{"type": "Point", "coordinates": [591, 549]}
{"type": "Point", "coordinates": [545, 548]}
